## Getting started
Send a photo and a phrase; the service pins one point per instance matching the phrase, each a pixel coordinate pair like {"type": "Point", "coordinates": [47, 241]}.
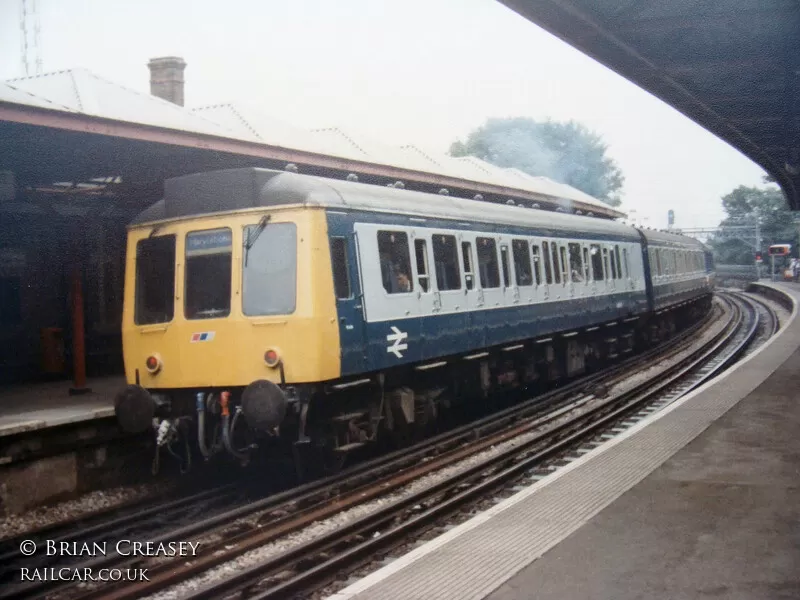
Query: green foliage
{"type": "Point", "coordinates": [566, 152]}
{"type": "Point", "coordinates": [742, 206]}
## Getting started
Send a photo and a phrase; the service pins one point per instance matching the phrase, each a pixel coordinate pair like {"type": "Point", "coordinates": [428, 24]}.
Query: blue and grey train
{"type": "Point", "coordinates": [318, 309]}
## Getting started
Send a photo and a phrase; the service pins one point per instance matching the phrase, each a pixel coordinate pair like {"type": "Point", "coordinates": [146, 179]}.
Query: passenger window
{"type": "Point", "coordinates": [586, 274]}
{"type": "Point", "coordinates": [522, 262]}
{"type": "Point", "coordinates": [619, 263]}
{"type": "Point", "coordinates": [597, 262]}
{"type": "Point", "coordinates": [469, 275]}
{"type": "Point", "coordinates": [657, 253]}
{"type": "Point", "coordinates": [548, 271]}
{"type": "Point", "coordinates": [625, 263]}
{"type": "Point", "coordinates": [556, 266]}
{"type": "Point", "coordinates": [341, 278]}
{"type": "Point", "coordinates": [564, 264]}
{"type": "Point", "coordinates": [395, 262]}
{"type": "Point", "coordinates": [445, 259]}
{"type": "Point", "coordinates": [487, 262]}
{"type": "Point", "coordinates": [575, 263]}
{"type": "Point", "coordinates": [537, 264]}
{"type": "Point", "coordinates": [506, 269]}
{"type": "Point", "coordinates": [421, 249]}
{"type": "Point", "coordinates": [605, 264]}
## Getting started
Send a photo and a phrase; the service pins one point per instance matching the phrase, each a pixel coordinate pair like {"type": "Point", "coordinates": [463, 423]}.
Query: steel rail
{"type": "Point", "coordinates": [316, 493]}
{"type": "Point", "coordinates": [510, 460]}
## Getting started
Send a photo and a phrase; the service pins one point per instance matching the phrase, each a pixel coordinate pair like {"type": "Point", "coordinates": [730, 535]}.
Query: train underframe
{"type": "Point", "coordinates": [394, 407]}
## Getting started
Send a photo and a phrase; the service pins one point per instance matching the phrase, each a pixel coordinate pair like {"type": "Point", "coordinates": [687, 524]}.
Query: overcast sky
{"type": "Point", "coordinates": [424, 72]}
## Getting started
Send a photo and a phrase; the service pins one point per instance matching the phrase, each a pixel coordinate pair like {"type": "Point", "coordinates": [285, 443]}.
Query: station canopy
{"type": "Point", "coordinates": [733, 67]}
{"type": "Point", "coordinates": [77, 130]}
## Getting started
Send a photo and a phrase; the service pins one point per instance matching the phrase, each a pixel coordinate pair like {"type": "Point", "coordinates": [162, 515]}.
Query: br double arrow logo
{"type": "Point", "coordinates": [397, 340]}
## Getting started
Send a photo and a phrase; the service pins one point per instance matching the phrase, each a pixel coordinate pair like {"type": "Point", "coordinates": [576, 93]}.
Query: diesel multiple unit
{"type": "Point", "coordinates": [266, 304]}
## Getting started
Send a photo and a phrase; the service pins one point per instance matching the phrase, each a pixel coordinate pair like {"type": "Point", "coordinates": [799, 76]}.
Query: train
{"type": "Point", "coordinates": [265, 306]}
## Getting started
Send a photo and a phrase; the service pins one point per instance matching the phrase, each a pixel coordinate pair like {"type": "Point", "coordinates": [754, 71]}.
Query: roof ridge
{"type": "Point", "coordinates": [40, 75]}
{"type": "Point", "coordinates": [419, 150]}
{"type": "Point", "coordinates": [39, 98]}
{"type": "Point", "coordinates": [477, 162]}
{"type": "Point", "coordinates": [76, 89]}
{"type": "Point", "coordinates": [343, 134]}
{"type": "Point", "coordinates": [246, 123]}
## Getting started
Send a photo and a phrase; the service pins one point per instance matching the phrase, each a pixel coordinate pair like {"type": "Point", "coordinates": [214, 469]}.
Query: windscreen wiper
{"type": "Point", "coordinates": [252, 236]}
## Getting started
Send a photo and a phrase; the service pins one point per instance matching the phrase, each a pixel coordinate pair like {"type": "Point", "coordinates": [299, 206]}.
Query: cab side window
{"type": "Point", "coordinates": [341, 278]}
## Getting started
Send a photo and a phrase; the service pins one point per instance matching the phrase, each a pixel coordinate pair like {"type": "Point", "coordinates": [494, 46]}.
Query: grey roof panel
{"type": "Point", "coordinates": [234, 189]}
{"type": "Point", "coordinates": [668, 239]}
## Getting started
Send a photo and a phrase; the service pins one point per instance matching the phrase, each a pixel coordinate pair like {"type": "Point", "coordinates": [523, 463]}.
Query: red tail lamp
{"type": "Point", "coordinates": [153, 364]}
{"type": "Point", "coordinates": [272, 358]}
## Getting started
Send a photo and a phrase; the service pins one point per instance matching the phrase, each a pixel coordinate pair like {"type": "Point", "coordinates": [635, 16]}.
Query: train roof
{"type": "Point", "coordinates": [665, 238]}
{"type": "Point", "coordinates": [238, 189]}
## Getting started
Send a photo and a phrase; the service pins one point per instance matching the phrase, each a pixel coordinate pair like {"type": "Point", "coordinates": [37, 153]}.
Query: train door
{"type": "Point", "coordinates": [474, 299]}
{"type": "Point", "coordinates": [448, 329]}
{"type": "Point", "coordinates": [488, 252]}
{"type": "Point", "coordinates": [558, 291]}
{"type": "Point", "coordinates": [523, 271]}
{"type": "Point", "coordinates": [598, 286]}
{"type": "Point", "coordinates": [390, 303]}
{"type": "Point", "coordinates": [510, 288]}
{"type": "Point", "coordinates": [610, 269]}
{"type": "Point", "coordinates": [587, 271]}
{"type": "Point", "coordinates": [537, 262]}
{"type": "Point", "coordinates": [428, 297]}
{"type": "Point", "coordinates": [549, 275]}
{"type": "Point", "coordinates": [349, 303]}
{"type": "Point", "coordinates": [510, 321]}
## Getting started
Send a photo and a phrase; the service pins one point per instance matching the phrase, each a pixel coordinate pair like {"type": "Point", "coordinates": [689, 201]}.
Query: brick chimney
{"type": "Point", "coordinates": [166, 78]}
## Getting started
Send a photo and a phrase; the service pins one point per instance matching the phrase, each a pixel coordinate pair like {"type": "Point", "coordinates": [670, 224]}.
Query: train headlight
{"type": "Point", "coordinates": [272, 358]}
{"type": "Point", "coordinates": [153, 364]}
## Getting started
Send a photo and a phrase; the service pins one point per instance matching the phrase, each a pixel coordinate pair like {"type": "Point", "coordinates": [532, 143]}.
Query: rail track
{"type": "Point", "coordinates": [550, 424]}
{"type": "Point", "coordinates": [310, 566]}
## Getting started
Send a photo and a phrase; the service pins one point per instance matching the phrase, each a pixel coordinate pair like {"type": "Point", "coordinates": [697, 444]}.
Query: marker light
{"type": "Point", "coordinates": [271, 358]}
{"type": "Point", "coordinates": [153, 364]}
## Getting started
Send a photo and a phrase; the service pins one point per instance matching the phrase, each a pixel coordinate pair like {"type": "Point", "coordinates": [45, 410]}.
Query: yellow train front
{"type": "Point", "coordinates": [229, 309]}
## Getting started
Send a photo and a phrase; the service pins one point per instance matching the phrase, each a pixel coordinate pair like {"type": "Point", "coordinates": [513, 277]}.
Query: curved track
{"type": "Point", "coordinates": [312, 565]}
{"type": "Point", "coordinates": [552, 424]}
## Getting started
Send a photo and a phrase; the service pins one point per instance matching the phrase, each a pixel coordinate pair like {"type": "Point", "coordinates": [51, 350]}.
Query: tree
{"type": "Point", "coordinates": [566, 152]}
{"type": "Point", "coordinates": [743, 206]}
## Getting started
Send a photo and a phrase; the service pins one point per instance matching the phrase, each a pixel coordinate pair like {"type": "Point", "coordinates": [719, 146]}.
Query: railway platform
{"type": "Point", "coordinates": [54, 445]}
{"type": "Point", "coordinates": [701, 500]}
{"type": "Point", "coordinates": [41, 406]}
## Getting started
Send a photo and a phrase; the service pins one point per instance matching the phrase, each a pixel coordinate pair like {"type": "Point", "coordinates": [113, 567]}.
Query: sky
{"type": "Point", "coordinates": [422, 72]}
